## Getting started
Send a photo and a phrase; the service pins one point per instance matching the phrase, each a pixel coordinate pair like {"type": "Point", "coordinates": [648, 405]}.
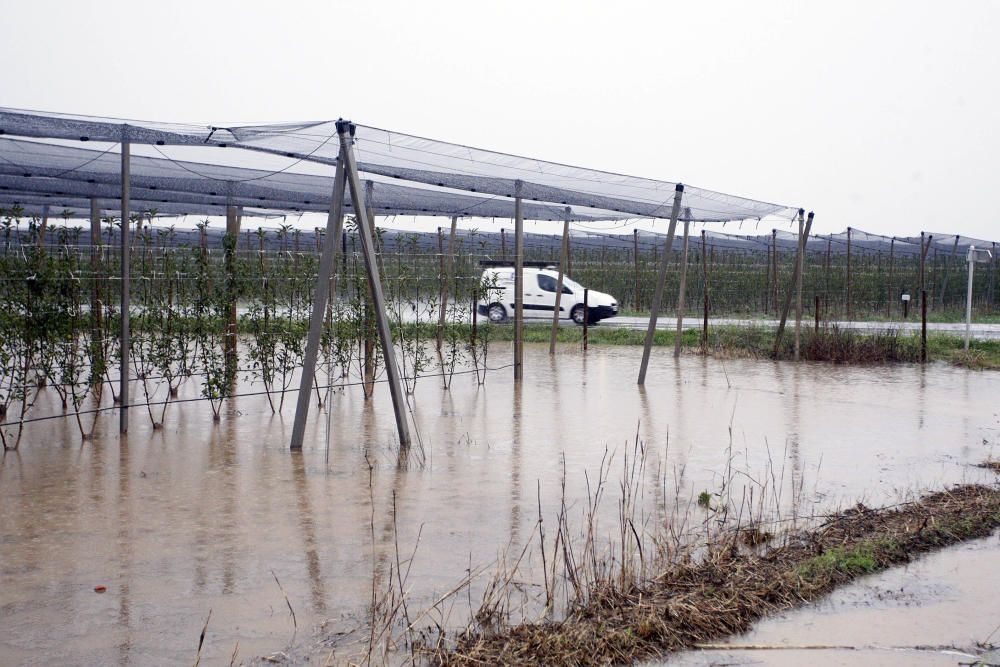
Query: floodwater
{"type": "Point", "coordinates": [934, 611]}
{"type": "Point", "coordinates": [201, 517]}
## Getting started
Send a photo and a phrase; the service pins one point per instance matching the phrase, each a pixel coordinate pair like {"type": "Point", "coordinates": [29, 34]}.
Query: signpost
{"type": "Point", "coordinates": [973, 257]}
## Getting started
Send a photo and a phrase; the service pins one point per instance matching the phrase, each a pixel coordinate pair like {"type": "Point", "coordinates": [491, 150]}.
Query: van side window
{"type": "Point", "coordinates": [549, 284]}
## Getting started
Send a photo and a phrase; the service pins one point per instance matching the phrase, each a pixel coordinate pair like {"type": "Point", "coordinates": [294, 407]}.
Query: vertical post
{"type": "Point", "coordinates": [331, 240]}
{"type": "Point", "coordinates": [947, 267]}
{"type": "Point", "coordinates": [826, 288]}
{"type": "Point", "coordinates": [586, 316]}
{"type": "Point", "coordinates": [816, 314]}
{"type": "Point", "coordinates": [774, 268]}
{"type": "Point", "coordinates": [346, 131]}
{"type": "Point", "coordinates": [518, 283]}
{"type": "Point", "coordinates": [125, 338]}
{"type": "Point", "coordinates": [924, 249]}
{"type": "Point", "coordinates": [233, 235]}
{"type": "Point", "coordinates": [683, 285]}
{"type": "Point", "coordinates": [96, 308]}
{"type": "Point", "coordinates": [503, 243]}
{"type": "Point", "coordinates": [791, 289]}
{"type": "Point", "coordinates": [968, 296]}
{"type": "Point", "coordinates": [635, 261]}
{"type": "Point", "coordinates": [557, 312]}
{"type": "Point", "coordinates": [993, 264]}
{"type": "Point", "coordinates": [654, 307]}
{"type": "Point", "coordinates": [888, 302]}
{"type": "Point", "coordinates": [923, 326]}
{"type": "Point", "coordinates": [43, 229]}
{"type": "Point", "coordinates": [850, 309]}
{"type": "Point", "coordinates": [799, 265]}
{"type": "Point", "coordinates": [704, 293]}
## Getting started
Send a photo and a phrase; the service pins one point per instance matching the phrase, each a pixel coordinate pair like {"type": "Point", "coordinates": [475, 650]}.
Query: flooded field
{"type": "Point", "coordinates": [201, 517]}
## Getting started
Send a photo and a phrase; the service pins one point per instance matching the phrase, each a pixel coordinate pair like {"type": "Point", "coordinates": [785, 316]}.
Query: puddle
{"type": "Point", "coordinates": [200, 516]}
{"type": "Point", "coordinates": [931, 612]}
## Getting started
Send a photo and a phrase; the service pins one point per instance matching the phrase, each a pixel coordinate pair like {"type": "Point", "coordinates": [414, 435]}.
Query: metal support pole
{"type": "Point", "coordinates": [704, 294]}
{"type": "Point", "coordinates": [774, 269]}
{"type": "Point", "coordinates": [586, 316]}
{"type": "Point", "coordinates": [923, 326]}
{"type": "Point", "coordinates": [800, 265]}
{"type": "Point", "coordinates": [346, 132]}
{"type": "Point", "coordinates": [660, 283]}
{"type": "Point", "coordinates": [791, 290]}
{"type": "Point", "coordinates": [125, 338]}
{"type": "Point", "coordinates": [503, 244]}
{"type": "Point", "coordinates": [518, 283]}
{"type": "Point", "coordinates": [968, 296]}
{"type": "Point", "coordinates": [331, 242]}
{"type": "Point", "coordinates": [559, 284]}
{"type": "Point", "coordinates": [683, 284]}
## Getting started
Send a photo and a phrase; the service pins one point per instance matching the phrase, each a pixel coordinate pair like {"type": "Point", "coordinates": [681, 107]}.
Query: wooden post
{"type": "Point", "coordinates": [826, 288]}
{"type": "Point", "coordinates": [924, 249]}
{"type": "Point", "coordinates": [660, 283]}
{"type": "Point", "coordinates": [557, 312]}
{"type": "Point", "coordinates": [892, 258]}
{"type": "Point", "coordinates": [233, 234]}
{"type": "Point", "coordinates": [774, 268]}
{"type": "Point", "coordinates": [586, 316]}
{"type": "Point", "coordinates": [683, 285]}
{"type": "Point", "coordinates": [125, 335]}
{"type": "Point", "coordinates": [947, 267]}
{"type": "Point", "coordinates": [518, 283]}
{"type": "Point", "coordinates": [96, 307]}
{"type": "Point", "coordinates": [791, 290]}
{"type": "Point", "coordinates": [43, 229]}
{"type": "Point", "coordinates": [503, 244]}
{"type": "Point", "coordinates": [331, 241]}
{"type": "Point", "coordinates": [704, 292]}
{"type": "Point", "coordinates": [923, 326]}
{"type": "Point", "coordinates": [799, 266]}
{"type": "Point", "coordinates": [993, 265]}
{"type": "Point", "coordinates": [346, 131]}
{"type": "Point", "coordinates": [635, 261]}
{"type": "Point", "coordinates": [850, 309]}
{"type": "Point", "coordinates": [816, 313]}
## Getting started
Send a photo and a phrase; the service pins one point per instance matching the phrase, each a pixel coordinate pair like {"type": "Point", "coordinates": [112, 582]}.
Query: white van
{"type": "Point", "coordinates": [540, 297]}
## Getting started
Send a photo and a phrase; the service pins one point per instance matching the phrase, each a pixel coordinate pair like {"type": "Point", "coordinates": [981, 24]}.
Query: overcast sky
{"type": "Point", "coordinates": [877, 115]}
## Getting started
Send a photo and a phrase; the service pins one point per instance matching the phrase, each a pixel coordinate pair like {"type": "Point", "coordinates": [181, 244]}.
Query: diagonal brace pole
{"type": "Point", "coordinates": [331, 243]}
{"type": "Point", "coordinates": [661, 282]}
{"type": "Point", "coordinates": [346, 131]}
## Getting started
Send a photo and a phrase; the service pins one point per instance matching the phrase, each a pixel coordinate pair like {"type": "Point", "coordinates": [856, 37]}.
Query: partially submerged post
{"type": "Point", "coordinates": [683, 285]}
{"type": "Point", "coordinates": [125, 339]}
{"type": "Point", "coordinates": [447, 275]}
{"type": "Point", "coordinates": [559, 283]}
{"type": "Point", "coordinates": [331, 241]}
{"type": "Point", "coordinates": [346, 131]}
{"type": "Point", "coordinates": [518, 283]}
{"type": "Point", "coordinates": [791, 288]}
{"type": "Point", "coordinates": [799, 266]}
{"type": "Point", "coordinates": [654, 307]}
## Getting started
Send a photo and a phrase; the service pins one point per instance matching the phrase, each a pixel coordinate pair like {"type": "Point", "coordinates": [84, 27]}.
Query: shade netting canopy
{"type": "Point", "coordinates": [444, 169]}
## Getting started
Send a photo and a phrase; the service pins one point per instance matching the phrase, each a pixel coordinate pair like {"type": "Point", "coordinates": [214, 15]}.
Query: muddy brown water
{"type": "Point", "coordinates": [202, 516]}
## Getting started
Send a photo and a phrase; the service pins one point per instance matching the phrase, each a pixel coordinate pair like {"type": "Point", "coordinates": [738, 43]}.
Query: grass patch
{"type": "Point", "coordinates": [730, 588]}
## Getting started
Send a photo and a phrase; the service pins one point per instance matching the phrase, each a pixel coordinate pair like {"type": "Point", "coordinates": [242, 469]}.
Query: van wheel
{"type": "Point", "coordinates": [577, 314]}
{"type": "Point", "coordinates": [497, 313]}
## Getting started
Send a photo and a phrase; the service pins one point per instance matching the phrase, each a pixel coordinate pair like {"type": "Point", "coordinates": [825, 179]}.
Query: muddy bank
{"type": "Point", "coordinates": [728, 589]}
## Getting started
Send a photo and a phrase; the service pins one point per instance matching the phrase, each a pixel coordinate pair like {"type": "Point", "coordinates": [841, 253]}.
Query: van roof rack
{"type": "Point", "coordinates": [534, 264]}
